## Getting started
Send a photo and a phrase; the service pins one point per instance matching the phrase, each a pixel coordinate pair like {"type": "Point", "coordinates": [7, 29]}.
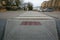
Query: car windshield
{"type": "Point", "coordinates": [29, 19]}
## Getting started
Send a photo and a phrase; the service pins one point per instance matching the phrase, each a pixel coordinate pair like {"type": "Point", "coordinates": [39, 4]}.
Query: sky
{"type": "Point", "coordinates": [35, 2]}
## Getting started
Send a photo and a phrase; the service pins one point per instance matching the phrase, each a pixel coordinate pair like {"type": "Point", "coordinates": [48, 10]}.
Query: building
{"type": "Point", "coordinates": [51, 4]}
{"type": "Point", "coordinates": [44, 4]}
{"type": "Point", "coordinates": [56, 4]}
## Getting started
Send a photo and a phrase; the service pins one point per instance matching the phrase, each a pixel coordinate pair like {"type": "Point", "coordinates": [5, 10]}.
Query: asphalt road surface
{"type": "Point", "coordinates": [13, 14]}
{"type": "Point", "coordinates": [10, 14]}
{"type": "Point", "coordinates": [53, 14]}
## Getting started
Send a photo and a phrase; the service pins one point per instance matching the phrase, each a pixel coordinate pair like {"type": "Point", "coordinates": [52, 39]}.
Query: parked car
{"type": "Point", "coordinates": [48, 10]}
{"type": "Point", "coordinates": [13, 7]}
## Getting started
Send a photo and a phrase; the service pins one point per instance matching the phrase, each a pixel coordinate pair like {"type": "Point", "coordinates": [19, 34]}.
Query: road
{"type": "Point", "coordinates": [12, 35]}
{"type": "Point", "coordinates": [10, 14]}
{"type": "Point", "coordinates": [53, 14]}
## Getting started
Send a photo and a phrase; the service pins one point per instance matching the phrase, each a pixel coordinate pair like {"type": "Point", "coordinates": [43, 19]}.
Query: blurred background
{"type": "Point", "coordinates": [35, 5]}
